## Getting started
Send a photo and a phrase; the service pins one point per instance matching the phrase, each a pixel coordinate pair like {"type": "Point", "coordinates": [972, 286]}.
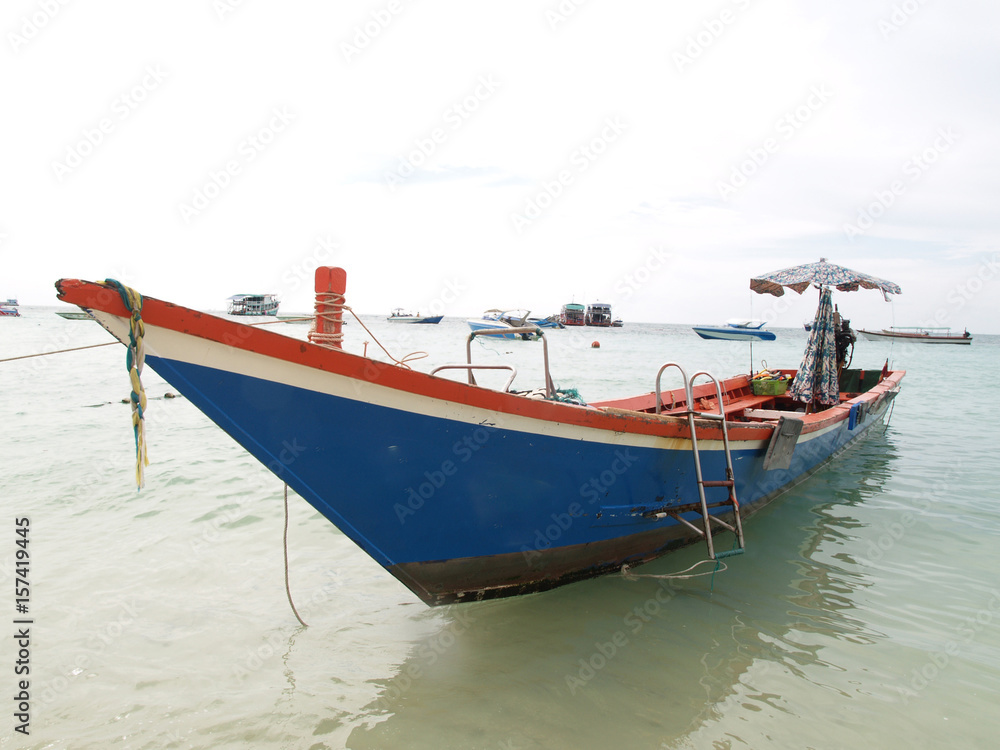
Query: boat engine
{"type": "Point", "coordinates": [845, 339]}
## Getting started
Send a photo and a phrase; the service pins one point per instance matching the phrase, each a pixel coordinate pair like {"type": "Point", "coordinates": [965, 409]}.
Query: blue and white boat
{"type": "Point", "coordinates": [465, 493]}
{"type": "Point", "coordinates": [736, 329]}
{"type": "Point", "coordinates": [502, 320]}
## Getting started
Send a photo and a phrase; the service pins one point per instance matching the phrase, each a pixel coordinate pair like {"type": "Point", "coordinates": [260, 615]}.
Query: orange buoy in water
{"type": "Point", "coordinates": [596, 345]}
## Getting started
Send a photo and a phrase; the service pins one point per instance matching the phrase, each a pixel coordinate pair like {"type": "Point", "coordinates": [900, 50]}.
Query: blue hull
{"type": "Point", "coordinates": [449, 496]}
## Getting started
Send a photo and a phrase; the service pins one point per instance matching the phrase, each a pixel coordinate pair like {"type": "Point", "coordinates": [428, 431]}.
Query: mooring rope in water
{"type": "Point", "coordinates": [892, 408]}
{"type": "Point", "coordinates": [281, 320]}
{"type": "Point", "coordinates": [59, 351]}
{"type": "Point", "coordinates": [134, 359]}
{"type": "Point", "coordinates": [288, 588]}
{"type": "Point", "coordinates": [112, 343]}
{"type": "Point", "coordinates": [626, 572]}
{"type": "Point", "coordinates": [719, 564]}
{"type": "Point", "coordinates": [330, 305]}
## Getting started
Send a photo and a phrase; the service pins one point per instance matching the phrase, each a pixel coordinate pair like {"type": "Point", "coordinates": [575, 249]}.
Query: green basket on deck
{"type": "Point", "coordinates": [766, 387]}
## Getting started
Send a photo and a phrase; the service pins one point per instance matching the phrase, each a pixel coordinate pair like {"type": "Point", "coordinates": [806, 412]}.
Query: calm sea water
{"type": "Point", "coordinates": [866, 612]}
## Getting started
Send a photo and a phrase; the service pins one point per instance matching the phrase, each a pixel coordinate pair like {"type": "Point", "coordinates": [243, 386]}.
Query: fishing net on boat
{"type": "Point", "coordinates": [566, 395]}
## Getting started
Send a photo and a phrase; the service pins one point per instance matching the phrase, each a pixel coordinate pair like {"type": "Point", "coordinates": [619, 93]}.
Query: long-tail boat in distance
{"type": "Point", "coordinates": [918, 335]}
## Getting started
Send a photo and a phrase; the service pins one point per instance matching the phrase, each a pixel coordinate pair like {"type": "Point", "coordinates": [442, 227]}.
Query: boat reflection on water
{"type": "Point", "coordinates": [674, 661]}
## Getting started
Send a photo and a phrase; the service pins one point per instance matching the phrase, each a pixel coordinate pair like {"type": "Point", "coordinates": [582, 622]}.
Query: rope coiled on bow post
{"type": "Point", "coordinates": [134, 359]}
{"type": "Point", "coordinates": [329, 308]}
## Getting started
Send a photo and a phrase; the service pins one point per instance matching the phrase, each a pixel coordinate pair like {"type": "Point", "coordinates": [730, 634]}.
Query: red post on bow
{"type": "Point", "coordinates": [331, 284]}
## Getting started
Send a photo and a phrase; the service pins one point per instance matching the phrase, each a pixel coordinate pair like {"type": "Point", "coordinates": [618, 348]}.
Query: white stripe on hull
{"type": "Point", "coordinates": [172, 345]}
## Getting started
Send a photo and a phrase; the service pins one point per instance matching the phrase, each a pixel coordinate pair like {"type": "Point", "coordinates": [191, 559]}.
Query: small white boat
{"type": "Point", "coordinates": [400, 316]}
{"type": "Point", "coordinates": [736, 329]}
{"type": "Point", "coordinates": [504, 319]}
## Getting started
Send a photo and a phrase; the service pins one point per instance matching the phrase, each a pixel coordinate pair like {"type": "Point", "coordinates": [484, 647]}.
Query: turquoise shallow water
{"type": "Point", "coordinates": [866, 611]}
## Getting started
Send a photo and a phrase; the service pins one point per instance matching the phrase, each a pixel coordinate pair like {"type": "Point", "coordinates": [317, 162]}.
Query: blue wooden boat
{"type": "Point", "coordinates": [401, 316]}
{"type": "Point", "coordinates": [463, 492]}
{"type": "Point", "coordinates": [550, 322]}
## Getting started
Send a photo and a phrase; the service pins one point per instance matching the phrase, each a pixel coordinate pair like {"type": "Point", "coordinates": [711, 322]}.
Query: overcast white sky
{"type": "Point", "coordinates": [454, 156]}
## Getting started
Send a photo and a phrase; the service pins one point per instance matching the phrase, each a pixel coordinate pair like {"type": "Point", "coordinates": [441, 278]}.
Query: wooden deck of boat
{"type": "Point", "coordinates": [737, 398]}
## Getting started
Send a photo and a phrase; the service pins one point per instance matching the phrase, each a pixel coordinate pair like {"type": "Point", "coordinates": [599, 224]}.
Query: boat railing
{"type": "Point", "coordinates": [687, 388]}
{"type": "Point", "coordinates": [550, 389]}
{"type": "Point", "coordinates": [721, 416]}
{"type": "Point", "coordinates": [471, 367]}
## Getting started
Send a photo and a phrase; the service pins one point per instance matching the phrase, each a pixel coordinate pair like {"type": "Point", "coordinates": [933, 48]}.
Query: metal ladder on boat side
{"type": "Point", "coordinates": [728, 483]}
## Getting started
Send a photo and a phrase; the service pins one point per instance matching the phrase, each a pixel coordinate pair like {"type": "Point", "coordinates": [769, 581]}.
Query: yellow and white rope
{"type": "Point", "coordinates": [134, 360]}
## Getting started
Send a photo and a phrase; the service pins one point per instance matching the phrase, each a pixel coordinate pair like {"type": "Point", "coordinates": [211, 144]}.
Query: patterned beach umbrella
{"type": "Point", "coordinates": [817, 378]}
{"type": "Point", "coordinates": [799, 278]}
